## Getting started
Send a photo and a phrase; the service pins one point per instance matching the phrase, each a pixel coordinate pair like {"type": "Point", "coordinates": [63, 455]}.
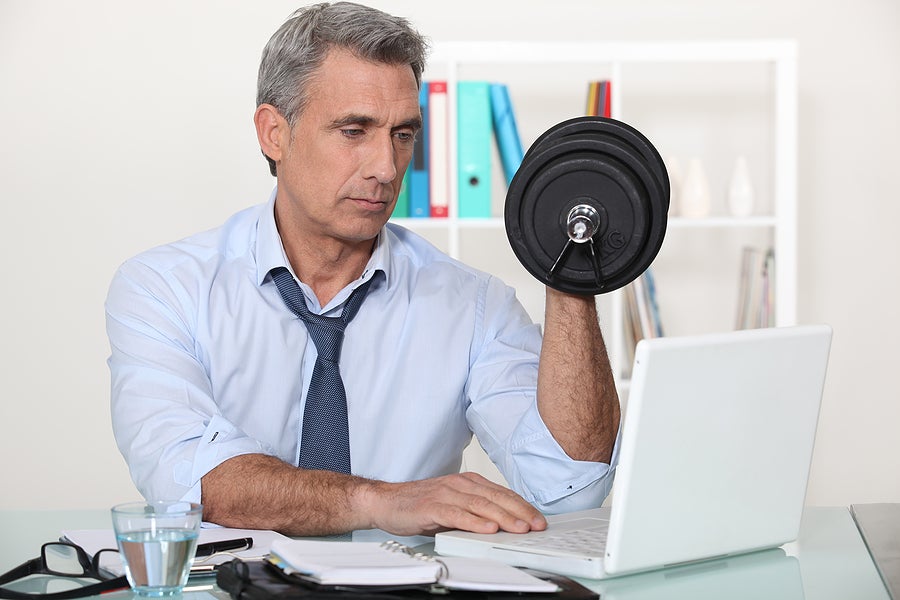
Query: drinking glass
{"type": "Point", "coordinates": [157, 541]}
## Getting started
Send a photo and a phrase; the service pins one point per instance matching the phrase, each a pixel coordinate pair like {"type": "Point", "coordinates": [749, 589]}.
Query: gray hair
{"type": "Point", "coordinates": [296, 51]}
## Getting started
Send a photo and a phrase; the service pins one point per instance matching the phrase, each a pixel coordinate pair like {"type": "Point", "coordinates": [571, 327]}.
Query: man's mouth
{"type": "Point", "coordinates": [372, 203]}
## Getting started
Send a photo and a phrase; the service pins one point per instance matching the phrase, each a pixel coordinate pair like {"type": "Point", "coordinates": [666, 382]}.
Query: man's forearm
{"type": "Point", "coordinates": [254, 491]}
{"type": "Point", "coordinates": [577, 396]}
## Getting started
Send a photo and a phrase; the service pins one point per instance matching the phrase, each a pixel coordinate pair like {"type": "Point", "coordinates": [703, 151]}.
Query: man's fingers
{"type": "Point", "coordinates": [511, 511]}
{"type": "Point", "coordinates": [461, 501]}
{"type": "Point", "coordinates": [452, 516]}
{"type": "Point", "coordinates": [484, 507]}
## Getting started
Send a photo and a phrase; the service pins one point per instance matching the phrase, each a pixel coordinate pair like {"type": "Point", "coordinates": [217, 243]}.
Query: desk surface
{"type": "Point", "coordinates": [828, 561]}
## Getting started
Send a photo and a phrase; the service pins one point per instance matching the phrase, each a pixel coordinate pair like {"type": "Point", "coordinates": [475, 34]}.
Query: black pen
{"type": "Point", "coordinates": [225, 545]}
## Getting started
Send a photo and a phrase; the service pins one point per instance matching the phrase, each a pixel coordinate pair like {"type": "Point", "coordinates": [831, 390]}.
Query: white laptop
{"type": "Point", "coordinates": [716, 446]}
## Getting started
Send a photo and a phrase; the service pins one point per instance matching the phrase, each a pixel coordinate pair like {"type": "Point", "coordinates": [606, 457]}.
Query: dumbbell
{"type": "Point", "coordinates": [586, 211]}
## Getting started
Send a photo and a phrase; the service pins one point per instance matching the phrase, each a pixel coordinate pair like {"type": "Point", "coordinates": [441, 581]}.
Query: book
{"type": "Point", "coordinates": [473, 145]}
{"type": "Point", "coordinates": [768, 319]}
{"type": "Point", "coordinates": [599, 101]}
{"type": "Point", "coordinates": [655, 318]}
{"type": "Point", "coordinates": [418, 167]}
{"type": "Point", "coordinates": [756, 289]}
{"type": "Point", "coordinates": [509, 144]}
{"type": "Point", "coordinates": [750, 266]}
{"type": "Point", "coordinates": [342, 563]}
{"type": "Point", "coordinates": [631, 330]}
{"type": "Point", "coordinates": [401, 208]}
{"type": "Point", "coordinates": [642, 308]}
{"type": "Point", "coordinates": [438, 159]}
{"type": "Point", "coordinates": [644, 312]}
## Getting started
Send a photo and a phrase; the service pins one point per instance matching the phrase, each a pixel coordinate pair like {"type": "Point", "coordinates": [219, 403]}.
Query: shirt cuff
{"type": "Point", "coordinates": [555, 482]}
{"type": "Point", "coordinates": [220, 441]}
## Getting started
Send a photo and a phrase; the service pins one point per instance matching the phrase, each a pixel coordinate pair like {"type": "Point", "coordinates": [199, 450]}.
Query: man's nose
{"type": "Point", "coordinates": [380, 160]}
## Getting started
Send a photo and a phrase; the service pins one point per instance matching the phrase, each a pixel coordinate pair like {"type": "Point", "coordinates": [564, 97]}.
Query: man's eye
{"type": "Point", "coordinates": [352, 132]}
{"type": "Point", "coordinates": [405, 136]}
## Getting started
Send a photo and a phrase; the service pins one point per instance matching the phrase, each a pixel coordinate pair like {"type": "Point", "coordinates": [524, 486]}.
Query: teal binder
{"type": "Point", "coordinates": [401, 208]}
{"type": "Point", "coordinates": [474, 131]}
{"type": "Point", "coordinates": [508, 142]}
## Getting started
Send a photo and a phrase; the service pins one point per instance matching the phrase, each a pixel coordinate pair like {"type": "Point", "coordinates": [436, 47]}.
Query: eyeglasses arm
{"type": "Point", "coordinates": [31, 567]}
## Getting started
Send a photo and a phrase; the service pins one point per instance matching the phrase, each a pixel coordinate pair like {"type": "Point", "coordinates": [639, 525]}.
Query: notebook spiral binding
{"type": "Point", "coordinates": [395, 546]}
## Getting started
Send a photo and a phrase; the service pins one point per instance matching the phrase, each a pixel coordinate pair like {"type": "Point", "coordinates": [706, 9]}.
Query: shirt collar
{"type": "Point", "coordinates": [270, 251]}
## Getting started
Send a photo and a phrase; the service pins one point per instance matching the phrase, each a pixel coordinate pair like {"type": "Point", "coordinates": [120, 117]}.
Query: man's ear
{"type": "Point", "coordinates": [272, 131]}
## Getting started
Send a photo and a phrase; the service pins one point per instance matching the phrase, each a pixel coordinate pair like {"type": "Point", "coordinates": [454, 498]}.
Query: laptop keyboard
{"type": "Point", "coordinates": [574, 541]}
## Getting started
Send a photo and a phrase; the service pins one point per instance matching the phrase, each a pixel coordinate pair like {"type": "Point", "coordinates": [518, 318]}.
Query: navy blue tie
{"type": "Point", "coordinates": [325, 443]}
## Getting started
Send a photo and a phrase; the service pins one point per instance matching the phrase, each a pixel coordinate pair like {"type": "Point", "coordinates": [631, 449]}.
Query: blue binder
{"type": "Point", "coordinates": [418, 168]}
{"type": "Point", "coordinates": [508, 142]}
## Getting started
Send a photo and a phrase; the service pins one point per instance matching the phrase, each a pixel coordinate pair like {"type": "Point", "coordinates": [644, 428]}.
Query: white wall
{"type": "Point", "coordinates": [124, 125]}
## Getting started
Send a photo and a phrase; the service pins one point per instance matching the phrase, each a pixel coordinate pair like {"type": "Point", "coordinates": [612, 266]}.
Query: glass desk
{"type": "Point", "coordinates": [828, 561]}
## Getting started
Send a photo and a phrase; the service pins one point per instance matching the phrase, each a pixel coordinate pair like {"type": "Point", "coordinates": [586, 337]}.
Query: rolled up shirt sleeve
{"type": "Point", "coordinates": [557, 483]}
{"type": "Point", "coordinates": [166, 423]}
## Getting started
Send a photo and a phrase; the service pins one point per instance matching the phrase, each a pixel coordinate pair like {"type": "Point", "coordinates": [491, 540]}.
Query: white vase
{"type": "Point", "coordinates": [740, 190]}
{"type": "Point", "coordinates": [694, 199]}
{"type": "Point", "coordinates": [673, 167]}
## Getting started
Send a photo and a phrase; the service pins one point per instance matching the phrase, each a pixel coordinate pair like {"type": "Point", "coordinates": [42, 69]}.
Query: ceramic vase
{"type": "Point", "coordinates": [694, 199]}
{"type": "Point", "coordinates": [740, 190]}
{"type": "Point", "coordinates": [673, 168]}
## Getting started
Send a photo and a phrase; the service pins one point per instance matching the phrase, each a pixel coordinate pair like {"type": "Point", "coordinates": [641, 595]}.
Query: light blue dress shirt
{"type": "Point", "coordinates": [207, 363]}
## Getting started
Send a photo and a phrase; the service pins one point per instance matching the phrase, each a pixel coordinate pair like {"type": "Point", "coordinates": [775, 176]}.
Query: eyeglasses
{"type": "Point", "coordinates": [62, 559]}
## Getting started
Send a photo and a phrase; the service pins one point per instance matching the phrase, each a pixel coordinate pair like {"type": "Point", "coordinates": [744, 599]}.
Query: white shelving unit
{"type": "Point", "coordinates": [623, 63]}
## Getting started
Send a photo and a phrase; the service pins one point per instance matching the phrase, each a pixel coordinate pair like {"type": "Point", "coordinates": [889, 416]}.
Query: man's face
{"type": "Point", "coordinates": [341, 172]}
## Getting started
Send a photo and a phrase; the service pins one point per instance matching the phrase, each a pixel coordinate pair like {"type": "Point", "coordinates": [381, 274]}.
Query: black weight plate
{"type": "Point", "coordinates": [621, 239]}
{"type": "Point", "coordinates": [607, 165]}
{"type": "Point", "coordinates": [610, 187]}
{"type": "Point", "coordinates": [626, 140]}
{"type": "Point", "coordinates": [624, 133]}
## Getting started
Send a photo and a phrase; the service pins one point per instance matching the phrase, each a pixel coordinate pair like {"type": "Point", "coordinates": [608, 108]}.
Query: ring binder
{"type": "Point", "coordinates": [263, 581]}
{"type": "Point", "coordinates": [392, 564]}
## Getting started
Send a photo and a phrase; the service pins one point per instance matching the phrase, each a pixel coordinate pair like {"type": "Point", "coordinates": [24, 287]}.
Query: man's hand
{"type": "Point", "coordinates": [253, 491]}
{"type": "Point", "coordinates": [461, 501]}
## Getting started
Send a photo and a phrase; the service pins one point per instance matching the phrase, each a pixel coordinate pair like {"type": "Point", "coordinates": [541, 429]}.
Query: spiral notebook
{"type": "Point", "coordinates": [392, 564]}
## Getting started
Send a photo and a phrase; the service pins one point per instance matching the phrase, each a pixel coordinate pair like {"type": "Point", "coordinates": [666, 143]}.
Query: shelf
{"type": "Point", "coordinates": [643, 73]}
{"type": "Point", "coordinates": [673, 222]}
{"type": "Point", "coordinates": [720, 222]}
{"type": "Point", "coordinates": [445, 222]}
{"type": "Point", "coordinates": [501, 52]}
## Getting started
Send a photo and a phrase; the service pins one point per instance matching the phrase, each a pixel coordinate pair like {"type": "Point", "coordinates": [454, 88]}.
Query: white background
{"type": "Point", "coordinates": [124, 125]}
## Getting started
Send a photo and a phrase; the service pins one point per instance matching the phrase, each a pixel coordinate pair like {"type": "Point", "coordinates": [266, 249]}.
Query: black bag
{"type": "Point", "coordinates": [259, 580]}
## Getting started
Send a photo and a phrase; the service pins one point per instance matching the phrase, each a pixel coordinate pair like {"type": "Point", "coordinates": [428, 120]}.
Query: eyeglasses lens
{"type": "Point", "coordinates": [109, 563]}
{"type": "Point", "coordinates": [63, 560]}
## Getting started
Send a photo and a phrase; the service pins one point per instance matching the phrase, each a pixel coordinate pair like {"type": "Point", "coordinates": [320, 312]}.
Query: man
{"type": "Point", "coordinates": [212, 365]}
